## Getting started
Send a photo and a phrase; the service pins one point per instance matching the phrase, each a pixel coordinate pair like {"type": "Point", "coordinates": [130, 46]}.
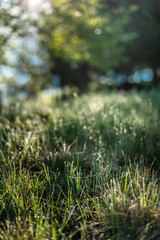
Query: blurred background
{"type": "Point", "coordinates": [55, 48]}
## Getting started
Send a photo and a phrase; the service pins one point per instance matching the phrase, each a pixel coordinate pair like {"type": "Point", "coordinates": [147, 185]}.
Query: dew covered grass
{"type": "Point", "coordinates": [85, 168]}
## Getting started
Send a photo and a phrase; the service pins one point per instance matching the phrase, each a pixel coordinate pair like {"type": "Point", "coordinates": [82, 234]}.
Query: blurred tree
{"type": "Point", "coordinates": [66, 34]}
{"type": "Point", "coordinates": [12, 22]}
{"type": "Point", "coordinates": [83, 35]}
{"type": "Point", "coordinates": [19, 44]}
{"type": "Point", "coordinates": [76, 36]}
{"type": "Point", "coordinates": [145, 22]}
{"type": "Point", "coordinates": [139, 37]}
{"type": "Point", "coordinates": [102, 34]}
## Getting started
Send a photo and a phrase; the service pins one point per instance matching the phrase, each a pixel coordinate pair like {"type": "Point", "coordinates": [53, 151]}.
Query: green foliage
{"type": "Point", "coordinates": [101, 35]}
{"type": "Point", "coordinates": [86, 168]}
{"type": "Point", "coordinates": [78, 36]}
{"type": "Point", "coordinates": [12, 24]}
{"type": "Point", "coordinates": [86, 32]}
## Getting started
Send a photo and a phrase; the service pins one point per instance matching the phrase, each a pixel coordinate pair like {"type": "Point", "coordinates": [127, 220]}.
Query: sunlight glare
{"type": "Point", "coordinates": [33, 4]}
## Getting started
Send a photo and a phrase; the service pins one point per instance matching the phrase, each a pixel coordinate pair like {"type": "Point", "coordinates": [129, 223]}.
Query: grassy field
{"type": "Point", "coordinates": [86, 168]}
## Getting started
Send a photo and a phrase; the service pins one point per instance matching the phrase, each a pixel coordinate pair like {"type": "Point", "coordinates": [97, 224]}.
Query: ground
{"type": "Point", "coordinates": [84, 168]}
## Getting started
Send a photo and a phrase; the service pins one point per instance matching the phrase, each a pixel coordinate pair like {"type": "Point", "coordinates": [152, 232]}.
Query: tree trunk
{"type": "Point", "coordinates": [156, 79]}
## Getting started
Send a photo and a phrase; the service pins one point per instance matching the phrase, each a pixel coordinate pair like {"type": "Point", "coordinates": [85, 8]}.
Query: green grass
{"type": "Point", "coordinates": [86, 168]}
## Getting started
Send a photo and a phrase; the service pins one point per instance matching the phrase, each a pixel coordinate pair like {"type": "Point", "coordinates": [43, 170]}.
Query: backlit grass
{"type": "Point", "coordinates": [85, 168]}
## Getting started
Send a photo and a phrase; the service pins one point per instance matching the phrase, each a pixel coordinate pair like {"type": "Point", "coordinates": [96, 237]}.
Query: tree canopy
{"type": "Point", "coordinates": [102, 34]}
